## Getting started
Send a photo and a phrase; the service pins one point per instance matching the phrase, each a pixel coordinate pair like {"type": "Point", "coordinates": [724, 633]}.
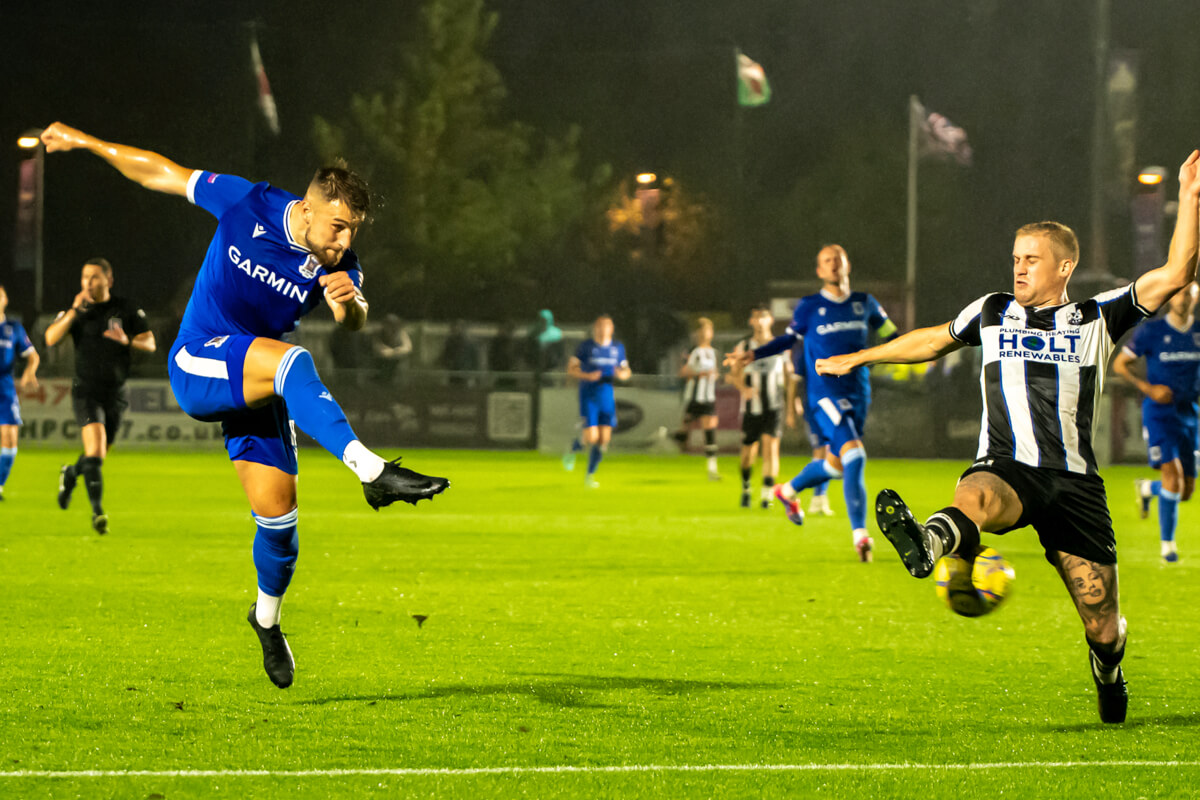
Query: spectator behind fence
{"type": "Point", "coordinates": [392, 348]}
{"type": "Point", "coordinates": [459, 354]}
{"type": "Point", "coordinates": [345, 347]}
{"type": "Point", "coordinates": [547, 350]}
{"type": "Point", "coordinates": [504, 356]}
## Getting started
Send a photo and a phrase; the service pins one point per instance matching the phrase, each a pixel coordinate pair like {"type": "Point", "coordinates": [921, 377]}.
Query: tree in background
{"type": "Point", "coordinates": [473, 206]}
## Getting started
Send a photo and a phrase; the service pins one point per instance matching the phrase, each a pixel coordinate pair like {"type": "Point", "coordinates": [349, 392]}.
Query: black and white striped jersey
{"type": "Point", "coordinates": [702, 389]}
{"type": "Point", "coordinates": [1043, 371]}
{"type": "Point", "coordinates": [766, 376]}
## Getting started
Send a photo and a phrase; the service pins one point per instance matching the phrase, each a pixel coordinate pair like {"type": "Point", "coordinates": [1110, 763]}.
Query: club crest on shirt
{"type": "Point", "coordinates": [858, 307]}
{"type": "Point", "coordinates": [1196, 339]}
{"type": "Point", "coordinates": [1076, 317]}
{"type": "Point", "coordinates": [309, 268]}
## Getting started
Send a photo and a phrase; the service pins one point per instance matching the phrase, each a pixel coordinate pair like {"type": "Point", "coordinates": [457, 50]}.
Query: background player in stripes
{"type": "Point", "coordinates": [105, 328]}
{"type": "Point", "coordinates": [1170, 346]}
{"type": "Point", "coordinates": [700, 394]}
{"type": "Point", "coordinates": [831, 322]}
{"type": "Point", "coordinates": [767, 388]}
{"type": "Point", "coordinates": [597, 362]}
{"type": "Point", "coordinates": [273, 258]}
{"type": "Point", "coordinates": [14, 344]}
{"type": "Point", "coordinates": [1044, 360]}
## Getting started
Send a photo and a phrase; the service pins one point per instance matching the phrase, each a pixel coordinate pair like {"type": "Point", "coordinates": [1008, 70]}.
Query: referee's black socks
{"type": "Point", "coordinates": [89, 468]}
{"type": "Point", "coordinates": [955, 532]}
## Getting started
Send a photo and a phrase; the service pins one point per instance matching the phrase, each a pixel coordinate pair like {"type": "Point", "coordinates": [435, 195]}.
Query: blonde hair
{"type": "Point", "coordinates": [1062, 238]}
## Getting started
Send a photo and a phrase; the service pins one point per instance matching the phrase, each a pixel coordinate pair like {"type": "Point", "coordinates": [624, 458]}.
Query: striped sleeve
{"type": "Point", "coordinates": [965, 327]}
{"type": "Point", "coordinates": [1121, 310]}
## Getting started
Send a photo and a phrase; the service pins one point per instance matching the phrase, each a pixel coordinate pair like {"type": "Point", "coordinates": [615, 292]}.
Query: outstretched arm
{"type": "Point", "coordinates": [141, 166]}
{"type": "Point", "coordinates": [922, 344]}
{"type": "Point", "coordinates": [1156, 287]}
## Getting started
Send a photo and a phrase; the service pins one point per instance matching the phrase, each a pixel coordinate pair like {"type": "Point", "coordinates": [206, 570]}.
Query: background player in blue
{"type": "Point", "coordinates": [597, 362]}
{"type": "Point", "coordinates": [272, 258]}
{"type": "Point", "coordinates": [1171, 347]}
{"type": "Point", "coordinates": [14, 343]}
{"type": "Point", "coordinates": [832, 322]}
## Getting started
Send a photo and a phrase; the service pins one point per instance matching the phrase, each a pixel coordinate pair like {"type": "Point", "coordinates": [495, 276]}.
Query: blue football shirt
{"type": "Point", "coordinates": [256, 279]}
{"type": "Point", "coordinates": [831, 327]}
{"type": "Point", "coordinates": [1172, 360]}
{"type": "Point", "coordinates": [14, 341]}
{"type": "Point", "coordinates": [607, 358]}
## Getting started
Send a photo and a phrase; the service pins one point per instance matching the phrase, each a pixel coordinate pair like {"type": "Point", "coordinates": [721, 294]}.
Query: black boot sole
{"type": "Point", "coordinates": [896, 522]}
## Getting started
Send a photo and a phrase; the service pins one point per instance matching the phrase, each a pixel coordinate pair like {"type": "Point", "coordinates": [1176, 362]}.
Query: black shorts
{"type": "Point", "coordinates": [756, 426]}
{"type": "Point", "coordinates": [695, 409]}
{"type": "Point", "coordinates": [1069, 511]}
{"type": "Point", "coordinates": [103, 405]}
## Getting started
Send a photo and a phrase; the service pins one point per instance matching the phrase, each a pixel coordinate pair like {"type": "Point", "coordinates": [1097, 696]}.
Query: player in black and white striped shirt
{"type": "Point", "coordinates": [767, 391]}
{"type": "Point", "coordinates": [700, 394]}
{"type": "Point", "coordinates": [1044, 360]}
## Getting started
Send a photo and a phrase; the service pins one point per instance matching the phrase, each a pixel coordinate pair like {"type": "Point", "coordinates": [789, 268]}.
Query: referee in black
{"type": "Point", "coordinates": [104, 328]}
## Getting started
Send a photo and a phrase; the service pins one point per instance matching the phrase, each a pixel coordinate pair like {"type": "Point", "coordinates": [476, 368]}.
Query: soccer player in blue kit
{"type": "Point", "coordinates": [1171, 347]}
{"type": "Point", "coordinates": [274, 256]}
{"type": "Point", "coordinates": [14, 343]}
{"type": "Point", "coordinates": [831, 322]}
{"type": "Point", "coordinates": [597, 362]}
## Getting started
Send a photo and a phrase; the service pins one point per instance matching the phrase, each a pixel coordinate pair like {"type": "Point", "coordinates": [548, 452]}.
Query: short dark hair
{"type": "Point", "coordinates": [102, 263]}
{"type": "Point", "coordinates": [338, 182]}
{"type": "Point", "coordinates": [759, 308]}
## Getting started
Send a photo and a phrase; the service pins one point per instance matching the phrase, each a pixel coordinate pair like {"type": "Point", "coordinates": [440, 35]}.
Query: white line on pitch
{"type": "Point", "coordinates": [618, 768]}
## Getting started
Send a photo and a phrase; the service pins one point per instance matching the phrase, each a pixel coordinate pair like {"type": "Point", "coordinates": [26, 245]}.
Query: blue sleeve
{"type": "Point", "coordinates": [621, 359]}
{"type": "Point", "coordinates": [788, 338]}
{"type": "Point", "coordinates": [1140, 346]}
{"type": "Point", "coordinates": [777, 345]}
{"type": "Point", "coordinates": [876, 316]}
{"type": "Point", "coordinates": [21, 338]}
{"type": "Point", "coordinates": [216, 193]}
{"type": "Point", "coordinates": [581, 352]}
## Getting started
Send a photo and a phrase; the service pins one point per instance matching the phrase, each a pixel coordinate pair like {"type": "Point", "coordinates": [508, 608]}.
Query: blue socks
{"type": "Point", "coordinates": [276, 547]}
{"type": "Point", "coordinates": [821, 489]}
{"type": "Point", "coordinates": [576, 445]}
{"type": "Point", "coordinates": [1168, 508]}
{"type": "Point", "coordinates": [854, 463]}
{"type": "Point", "coordinates": [594, 457]}
{"type": "Point", "coordinates": [814, 474]}
{"type": "Point", "coordinates": [7, 456]}
{"type": "Point", "coordinates": [310, 404]}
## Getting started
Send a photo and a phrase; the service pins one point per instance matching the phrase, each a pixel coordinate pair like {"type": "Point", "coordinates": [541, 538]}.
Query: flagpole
{"type": "Point", "coordinates": [739, 216]}
{"type": "Point", "coordinates": [910, 257]}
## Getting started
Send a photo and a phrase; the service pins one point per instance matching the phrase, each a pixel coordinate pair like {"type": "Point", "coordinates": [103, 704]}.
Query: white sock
{"type": "Point", "coordinates": [365, 464]}
{"type": "Point", "coordinates": [786, 490]}
{"type": "Point", "coordinates": [859, 534]}
{"type": "Point", "coordinates": [712, 463]}
{"type": "Point", "coordinates": [269, 610]}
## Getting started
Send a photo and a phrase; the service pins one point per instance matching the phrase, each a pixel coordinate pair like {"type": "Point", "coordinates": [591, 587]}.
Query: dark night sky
{"type": "Point", "coordinates": [651, 84]}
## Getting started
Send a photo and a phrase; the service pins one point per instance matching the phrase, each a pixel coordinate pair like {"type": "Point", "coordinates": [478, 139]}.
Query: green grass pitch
{"type": "Point", "coordinates": [649, 623]}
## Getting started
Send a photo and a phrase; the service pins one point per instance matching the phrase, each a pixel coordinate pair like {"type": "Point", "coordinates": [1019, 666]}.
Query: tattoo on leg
{"type": "Point", "coordinates": [1093, 587]}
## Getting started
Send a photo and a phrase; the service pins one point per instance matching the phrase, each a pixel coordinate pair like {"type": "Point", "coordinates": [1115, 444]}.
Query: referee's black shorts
{"type": "Point", "coordinates": [1069, 511]}
{"type": "Point", "coordinates": [755, 426]}
{"type": "Point", "coordinates": [105, 405]}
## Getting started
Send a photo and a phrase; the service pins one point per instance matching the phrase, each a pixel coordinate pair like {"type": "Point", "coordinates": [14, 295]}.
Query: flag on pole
{"type": "Point", "coordinates": [266, 100]}
{"type": "Point", "coordinates": [753, 89]}
{"type": "Point", "coordinates": [940, 138]}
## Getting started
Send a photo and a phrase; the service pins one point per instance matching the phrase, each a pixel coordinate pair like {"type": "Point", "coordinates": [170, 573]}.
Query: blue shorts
{"type": "Point", "coordinates": [206, 377]}
{"type": "Point", "coordinates": [10, 409]}
{"type": "Point", "coordinates": [598, 407]}
{"type": "Point", "coordinates": [1170, 436]}
{"type": "Point", "coordinates": [836, 420]}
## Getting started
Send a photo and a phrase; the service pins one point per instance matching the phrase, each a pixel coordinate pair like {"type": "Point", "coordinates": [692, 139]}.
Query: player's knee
{"type": "Point", "coordinates": [1103, 632]}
